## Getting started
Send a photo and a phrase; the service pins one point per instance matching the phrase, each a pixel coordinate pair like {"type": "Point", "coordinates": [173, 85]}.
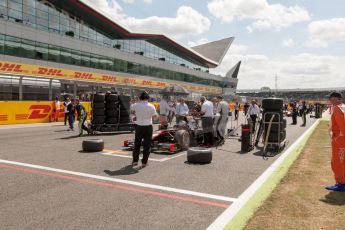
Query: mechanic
{"type": "Point", "coordinates": [304, 111]}
{"type": "Point", "coordinates": [294, 113]}
{"type": "Point", "coordinates": [56, 109]}
{"type": "Point", "coordinates": [144, 112]}
{"type": "Point", "coordinates": [82, 115]}
{"type": "Point", "coordinates": [337, 132]}
{"type": "Point", "coordinates": [207, 121]}
{"type": "Point", "coordinates": [182, 111]}
{"type": "Point", "coordinates": [71, 114]}
{"type": "Point", "coordinates": [237, 109]}
{"type": "Point", "coordinates": [253, 113]}
{"type": "Point", "coordinates": [65, 104]}
{"type": "Point", "coordinates": [164, 109]}
{"type": "Point", "coordinates": [223, 111]}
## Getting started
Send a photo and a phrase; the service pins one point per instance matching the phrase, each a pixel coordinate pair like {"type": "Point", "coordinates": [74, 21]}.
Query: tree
{"type": "Point", "coordinates": [265, 88]}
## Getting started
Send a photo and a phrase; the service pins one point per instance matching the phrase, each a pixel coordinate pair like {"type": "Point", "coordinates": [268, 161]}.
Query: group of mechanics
{"type": "Point", "coordinates": [213, 114]}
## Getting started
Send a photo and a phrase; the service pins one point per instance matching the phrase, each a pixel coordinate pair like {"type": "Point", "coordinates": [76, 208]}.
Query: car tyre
{"type": "Point", "coordinates": [93, 145]}
{"type": "Point", "coordinates": [199, 155]}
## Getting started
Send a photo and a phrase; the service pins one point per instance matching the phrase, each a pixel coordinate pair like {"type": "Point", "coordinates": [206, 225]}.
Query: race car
{"type": "Point", "coordinates": [173, 140]}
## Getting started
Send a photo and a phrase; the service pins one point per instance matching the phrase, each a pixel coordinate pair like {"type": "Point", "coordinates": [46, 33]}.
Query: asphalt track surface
{"type": "Point", "coordinates": [168, 194]}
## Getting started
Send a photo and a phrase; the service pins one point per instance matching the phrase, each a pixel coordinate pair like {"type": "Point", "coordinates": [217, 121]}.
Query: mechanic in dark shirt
{"type": "Point", "coordinates": [82, 115]}
{"type": "Point", "coordinates": [71, 114]}
{"type": "Point", "coordinates": [304, 111]}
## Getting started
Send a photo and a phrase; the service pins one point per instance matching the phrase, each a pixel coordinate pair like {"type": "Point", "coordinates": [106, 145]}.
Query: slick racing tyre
{"type": "Point", "coordinates": [95, 145]}
{"type": "Point", "coordinates": [98, 97]}
{"type": "Point", "coordinates": [273, 136]}
{"type": "Point", "coordinates": [111, 120]}
{"type": "Point", "coordinates": [111, 97]}
{"type": "Point", "coordinates": [98, 112]}
{"type": "Point", "coordinates": [98, 120]}
{"type": "Point", "coordinates": [182, 138]}
{"type": "Point", "coordinates": [112, 113]}
{"type": "Point", "coordinates": [199, 155]}
{"type": "Point", "coordinates": [272, 104]}
{"type": "Point", "coordinates": [98, 105]}
{"type": "Point", "coordinates": [112, 105]}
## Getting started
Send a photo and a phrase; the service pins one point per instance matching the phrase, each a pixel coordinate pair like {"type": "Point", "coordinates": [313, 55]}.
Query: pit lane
{"type": "Point", "coordinates": [86, 202]}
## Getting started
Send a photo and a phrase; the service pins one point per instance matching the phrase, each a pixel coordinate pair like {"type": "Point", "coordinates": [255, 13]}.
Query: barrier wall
{"type": "Point", "coordinates": [22, 112]}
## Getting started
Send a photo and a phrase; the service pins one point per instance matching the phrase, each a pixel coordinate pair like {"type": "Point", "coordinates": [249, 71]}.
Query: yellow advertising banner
{"type": "Point", "coordinates": [59, 73]}
{"type": "Point", "coordinates": [23, 112]}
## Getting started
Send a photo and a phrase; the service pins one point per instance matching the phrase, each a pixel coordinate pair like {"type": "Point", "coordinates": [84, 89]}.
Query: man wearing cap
{"type": "Point", "coordinates": [144, 112]}
{"type": "Point", "coordinates": [337, 127]}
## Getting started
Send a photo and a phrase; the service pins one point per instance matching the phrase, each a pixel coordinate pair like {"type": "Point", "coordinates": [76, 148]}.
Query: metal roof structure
{"type": "Point", "coordinates": [208, 55]}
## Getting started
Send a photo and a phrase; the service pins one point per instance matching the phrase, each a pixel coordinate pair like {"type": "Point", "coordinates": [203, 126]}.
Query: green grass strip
{"type": "Point", "coordinates": [248, 210]}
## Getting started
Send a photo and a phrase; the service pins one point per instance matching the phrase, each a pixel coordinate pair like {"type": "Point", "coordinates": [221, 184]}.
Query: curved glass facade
{"type": "Point", "coordinates": [45, 16]}
{"type": "Point", "coordinates": [15, 46]}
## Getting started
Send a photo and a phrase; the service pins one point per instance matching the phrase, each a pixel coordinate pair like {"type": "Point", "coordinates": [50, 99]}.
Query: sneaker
{"type": "Point", "coordinates": [134, 164]}
{"type": "Point", "coordinates": [144, 165]}
{"type": "Point", "coordinates": [336, 187]}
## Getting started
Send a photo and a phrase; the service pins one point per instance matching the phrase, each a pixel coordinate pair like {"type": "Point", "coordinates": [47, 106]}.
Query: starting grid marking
{"type": "Point", "coordinates": [28, 168]}
{"type": "Point", "coordinates": [127, 154]}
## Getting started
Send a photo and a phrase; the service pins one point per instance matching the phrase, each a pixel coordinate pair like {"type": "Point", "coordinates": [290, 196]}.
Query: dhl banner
{"type": "Point", "coordinates": [59, 73]}
{"type": "Point", "coordinates": [23, 112]}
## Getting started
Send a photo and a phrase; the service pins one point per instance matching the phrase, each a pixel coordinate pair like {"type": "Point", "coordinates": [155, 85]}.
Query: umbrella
{"type": "Point", "coordinates": [174, 90]}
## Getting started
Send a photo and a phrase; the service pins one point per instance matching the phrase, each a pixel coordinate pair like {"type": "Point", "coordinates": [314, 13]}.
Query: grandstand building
{"type": "Point", "coordinates": [52, 47]}
{"type": "Point", "coordinates": [320, 95]}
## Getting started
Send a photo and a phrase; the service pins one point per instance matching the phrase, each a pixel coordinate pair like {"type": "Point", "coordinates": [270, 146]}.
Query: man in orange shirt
{"type": "Point", "coordinates": [338, 141]}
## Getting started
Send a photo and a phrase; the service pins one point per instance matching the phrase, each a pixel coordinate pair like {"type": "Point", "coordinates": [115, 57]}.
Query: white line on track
{"type": "Point", "coordinates": [231, 212]}
{"type": "Point", "coordinates": [113, 153]}
{"type": "Point", "coordinates": [134, 183]}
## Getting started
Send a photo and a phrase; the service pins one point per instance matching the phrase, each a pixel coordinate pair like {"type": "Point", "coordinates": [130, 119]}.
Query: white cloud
{"type": "Point", "coordinates": [266, 16]}
{"type": "Point", "coordinates": [325, 31]}
{"type": "Point", "coordinates": [288, 42]}
{"type": "Point", "coordinates": [295, 71]}
{"type": "Point", "coordinates": [198, 42]}
{"type": "Point", "coordinates": [128, 1]}
{"type": "Point", "coordinates": [148, 1]}
{"type": "Point", "coordinates": [187, 21]}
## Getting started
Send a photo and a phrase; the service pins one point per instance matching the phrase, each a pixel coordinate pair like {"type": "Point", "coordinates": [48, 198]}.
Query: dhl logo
{"type": "Point", "coordinates": [129, 81]}
{"type": "Point", "coordinates": [11, 67]}
{"type": "Point", "coordinates": [147, 82]}
{"type": "Point", "coordinates": [50, 71]}
{"type": "Point", "coordinates": [39, 111]}
{"type": "Point", "coordinates": [109, 78]}
{"type": "Point", "coordinates": [161, 84]}
{"type": "Point", "coordinates": [81, 75]}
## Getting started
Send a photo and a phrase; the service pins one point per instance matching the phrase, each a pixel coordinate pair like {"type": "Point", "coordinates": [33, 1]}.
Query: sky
{"type": "Point", "coordinates": [302, 42]}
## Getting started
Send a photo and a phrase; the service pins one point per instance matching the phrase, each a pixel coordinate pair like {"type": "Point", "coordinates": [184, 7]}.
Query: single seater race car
{"type": "Point", "coordinates": [172, 140]}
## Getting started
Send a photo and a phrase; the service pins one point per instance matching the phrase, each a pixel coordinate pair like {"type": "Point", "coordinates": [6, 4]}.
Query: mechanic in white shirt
{"type": "Point", "coordinates": [144, 112]}
{"type": "Point", "coordinates": [207, 121]}
{"type": "Point", "coordinates": [182, 111]}
{"type": "Point", "coordinates": [164, 109]}
{"type": "Point", "coordinates": [222, 121]}
{"type": "Point", "coordinates": [253, 113]}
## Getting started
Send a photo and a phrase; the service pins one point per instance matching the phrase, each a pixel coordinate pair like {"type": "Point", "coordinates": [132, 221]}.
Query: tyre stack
{"type": "Point", "coordinates": [98, 109]}
{"type": "Point", "coordinates": [112, 109]}
{"type": "Point", "coordinates": [125, 103]}
{"type": "Point", "coordinates": [274, 106]}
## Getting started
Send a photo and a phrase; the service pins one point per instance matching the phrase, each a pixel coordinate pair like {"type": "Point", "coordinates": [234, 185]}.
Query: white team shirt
{"type": "Point", "coordinates": [164, 108]}
{"type": "Point", "coordinates": [144, 112]}
{"type": "Point", "coordinates": [253, 110]}
{"type": "Point", "coordinates": [207, 108]}
{"type": "Point", "coordinates": [182, 110]}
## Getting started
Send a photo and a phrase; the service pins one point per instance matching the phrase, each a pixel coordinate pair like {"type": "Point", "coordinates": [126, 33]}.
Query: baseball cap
{"type": "Point", "coordinates": [336, 94]}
